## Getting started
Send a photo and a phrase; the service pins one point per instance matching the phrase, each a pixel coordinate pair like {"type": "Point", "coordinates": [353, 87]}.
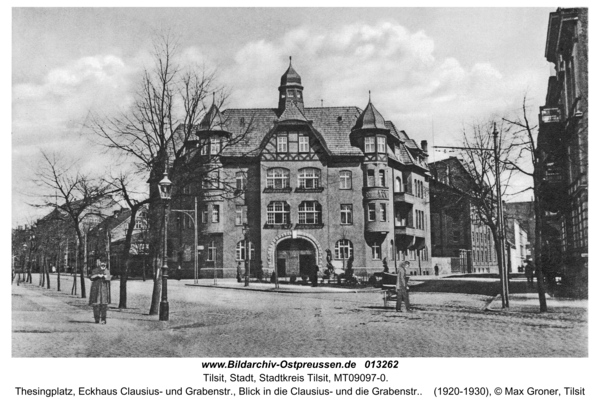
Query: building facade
{"type": "Point", "coordinates": [456, 231]}
{"type": "Point", "coordinates": [563, 141]}
{"type": "Point", "coordinates": [304, 186]}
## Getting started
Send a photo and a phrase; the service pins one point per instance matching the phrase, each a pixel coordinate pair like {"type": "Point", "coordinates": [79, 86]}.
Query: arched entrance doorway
{"type": "Point", "coordinates": [295, 258]}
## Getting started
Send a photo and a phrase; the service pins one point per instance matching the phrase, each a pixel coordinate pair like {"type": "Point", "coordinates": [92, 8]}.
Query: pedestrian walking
{"type": "Point", "coordinates": [437, 270]}
{"type": "Point", "coordinates": [402, 288]}
{"type": "Point", "coordinates": [100, 292]}
{"type": "Point", "coordinates": [529, 270]}
{"type": "Point", "coordinates": [239, 273]}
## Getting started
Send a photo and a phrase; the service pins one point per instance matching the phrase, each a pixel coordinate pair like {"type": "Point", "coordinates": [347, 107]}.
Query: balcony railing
{"type": "Point", "coordinates": [550, 115]}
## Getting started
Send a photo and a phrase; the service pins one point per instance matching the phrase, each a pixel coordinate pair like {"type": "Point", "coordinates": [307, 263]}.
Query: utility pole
{"type": "Point", "coordinates": [502, 269]}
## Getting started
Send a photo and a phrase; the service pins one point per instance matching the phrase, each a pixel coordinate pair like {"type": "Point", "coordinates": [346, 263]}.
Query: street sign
{"type": "Point", "coordinates": [200, 247]}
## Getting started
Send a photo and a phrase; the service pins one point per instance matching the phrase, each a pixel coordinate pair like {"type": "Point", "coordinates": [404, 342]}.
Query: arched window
{"type": "Point", "coordinates": [140, 220]}
{"type": "Point", "coordinates": [398, 185]}
{"type": "Point", "coordinates": [343, 249]}
{"type": "Point", "coordinates": [381, 180]}
{"type": "Point", "coordinates": [278, 178]}
{"type": "Point", "coordinates": [240, 181]}
{"type": "Point", "coordinates": [278, 213]}
{"type": "Point", "coordinates": [240, 250]}
{"type": "Point", "coordinates": [309, 212]}
{"type": "Point", "coordinates": [309, 178]}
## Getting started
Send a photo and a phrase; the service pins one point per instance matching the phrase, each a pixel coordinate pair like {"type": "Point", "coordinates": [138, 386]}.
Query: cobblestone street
{"type": "Point", "coordinates": [322, 322]}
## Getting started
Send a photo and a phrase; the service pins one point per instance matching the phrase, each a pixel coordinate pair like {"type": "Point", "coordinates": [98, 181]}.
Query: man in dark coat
{"type": "Point", "coordinates": [100, 292]}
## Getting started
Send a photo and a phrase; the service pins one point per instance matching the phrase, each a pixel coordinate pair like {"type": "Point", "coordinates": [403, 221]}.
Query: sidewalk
{"type": "Point", "coordinates": [529, 303]}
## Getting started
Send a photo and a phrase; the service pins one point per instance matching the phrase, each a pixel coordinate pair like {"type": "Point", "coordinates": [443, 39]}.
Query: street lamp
{"type": "Point", "coordinates": [245, 230]}
{"type": "Point", "coordinates": [164, 188]}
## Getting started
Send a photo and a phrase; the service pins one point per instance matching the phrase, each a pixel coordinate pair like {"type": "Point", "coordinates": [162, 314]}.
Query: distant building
{"type": "Point", "coordinates": [518, 246]}
{"type": "Point", "coordinates": [563, 140]}
{"type": "Point", "coordinates": [456, 230]}
{"type": "Point", "coordinates": [306, 181]}
{"type": "Point", "coordinates": [524, 213]}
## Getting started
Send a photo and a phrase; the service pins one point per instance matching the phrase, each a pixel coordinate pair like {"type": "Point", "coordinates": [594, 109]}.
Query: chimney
{"type": "Point", "coordinates": [424, 146]}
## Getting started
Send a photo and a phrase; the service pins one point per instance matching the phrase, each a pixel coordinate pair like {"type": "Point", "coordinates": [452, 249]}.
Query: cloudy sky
{"type": "Point", "coordinates": [430, 70]}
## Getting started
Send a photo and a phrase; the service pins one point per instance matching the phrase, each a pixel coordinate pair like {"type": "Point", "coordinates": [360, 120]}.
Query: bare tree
{"type": "Point", "coordinates": [484, 146]}
{"type": "Point", "coordinates": [159, 131]}
{"type": "Point", "coordinates": [71, 194]}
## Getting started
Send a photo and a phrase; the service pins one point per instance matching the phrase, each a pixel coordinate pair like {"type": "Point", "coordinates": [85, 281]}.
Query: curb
{"type": "Point", "coordinates": [282, 291]}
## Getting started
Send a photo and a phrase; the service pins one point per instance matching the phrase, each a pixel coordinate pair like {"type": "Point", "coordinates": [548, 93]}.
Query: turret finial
{"type": "Point", "coordinates": [290, 61]}
{"type": "Point", "coordinates": [369, 96]}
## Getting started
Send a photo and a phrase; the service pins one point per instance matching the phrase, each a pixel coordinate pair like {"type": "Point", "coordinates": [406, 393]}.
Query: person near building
{"type": "Point", "coordinates": [402, 288]}
{"type": "Point", "coordinates": [529, 270]}
{"type": "Point", "coordinates": [437, 270]}
{"type": "Point", "coordinates": [100, 292]}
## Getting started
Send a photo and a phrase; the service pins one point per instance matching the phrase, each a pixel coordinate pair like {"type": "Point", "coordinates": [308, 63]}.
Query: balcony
{"type": "Point", "coordinates": [408, 237]}
{"type": "Point", "coordinates": [550, 115]}
{"type": "Point", "coordinates": [405, 198]}
{"type": "Point", "coordinates": [377, 226]}
{"type": "Point", "coordinates": [376, 193]}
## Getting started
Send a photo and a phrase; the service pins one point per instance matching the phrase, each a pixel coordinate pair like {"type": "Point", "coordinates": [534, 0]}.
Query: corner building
{"type": "Point", "coordinates": [307, 180]}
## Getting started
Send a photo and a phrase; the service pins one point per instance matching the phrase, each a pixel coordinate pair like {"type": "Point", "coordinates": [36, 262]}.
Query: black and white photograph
{"type": "Point", "coordinates": [277, 193]}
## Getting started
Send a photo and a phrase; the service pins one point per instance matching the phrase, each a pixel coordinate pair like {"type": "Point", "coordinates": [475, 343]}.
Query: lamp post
{"type": "Point", "coordinates": [245, 229]}
{"type": "Point", "coordinates": [195, 221]}
{"type": "Point", "coordinates": [164, 187]}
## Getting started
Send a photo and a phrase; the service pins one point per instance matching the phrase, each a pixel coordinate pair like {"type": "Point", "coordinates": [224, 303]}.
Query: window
{"type": "Point", "coordinates": [204, 212]}
{"type": "Point", "coordinates": [140, 220]}
{"type": "Point", "coordinates": [370, 178]}
{"type": "Point", "coordinates": [343, 249]}
{"type": "Point", "coordinates": [369, 144]}
{"type": "Point", "coordinates": [278, 178]}
{"type": "Point", "coordinates": [346, 211]}
{"type": "Point", "coordinates": [309, 178]}
{"type": "Point", "coordinates": [212, 251]}
{"type": "Point", "coordinates": [303, 144]}
{"type": "Point", "coordinates": [204, 146]}
{"type": "Point", "coordinates": [215, 146]}
{"type": "Point", "coordinates": [381, 144]}
{"type": "Point", "coordinates": [216, 213]}
{"type": "Point", "coordinates": [345, 180]}
{"type": "Point", "coordinates": [371, 211]}
{"type": "Point", "coordinates": [381, 178]}
{"type": "Point", "coordinates": [398, 185]}
{"type": "Point", "coordinates": [278, 213]}
{"type": "Point", "coordinates": [309, 212]}
{"type": "Point", "coordinates": [376, 250]}
{"type": "Point", "coordinates": [240, 180]}
{"type": "Point", "coordinates": [241, 215]}
{"type": "Point", "coordinates": [383, 209]}
{"type": "Point", "coordinates": [240, 250]}
{"type": "Point", "coordinates": [211, 180]}
{"type": "Point", "coordinates": [282, 143]}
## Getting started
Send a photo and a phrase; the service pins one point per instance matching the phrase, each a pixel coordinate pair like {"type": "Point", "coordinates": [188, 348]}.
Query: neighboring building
{"type": "Point", "coordinates": [517, 245]}
{"type": "Point", "coordinates": [456, 230]}
{"type": "Point", "coordinates": [107, 239]}
{"type": "Point", "coordinates": [563, 140]}
{"type": "Point", "coordinates": [305, 180]}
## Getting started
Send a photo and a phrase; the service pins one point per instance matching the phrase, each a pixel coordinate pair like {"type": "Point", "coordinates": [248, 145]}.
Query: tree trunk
{"type": "Point", "coordinates": [83, 264]}
{"type": "Point", "coordinates": [58, 278]}
{"type": "Point", "coordinates": [48, 269]}
{"type": "Point", "coordinates": [156, 289]}
{"type": "Point", "coordinates": [539, 220]}
{"type": "Point", "coordinates": [123, 281]}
